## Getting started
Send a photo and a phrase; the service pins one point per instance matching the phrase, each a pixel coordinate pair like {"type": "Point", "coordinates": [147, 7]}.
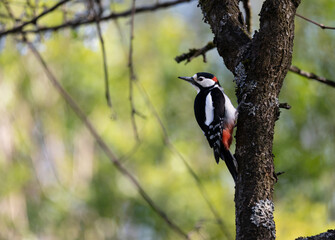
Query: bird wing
{"type": "Point", "coordinates": [218, 104]}
{"type": "Point", "coordinates": [216, 127]}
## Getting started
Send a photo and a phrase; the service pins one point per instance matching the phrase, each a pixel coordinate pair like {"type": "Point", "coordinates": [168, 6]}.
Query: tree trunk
{"type": "Point", "coordinates": [259, 65]}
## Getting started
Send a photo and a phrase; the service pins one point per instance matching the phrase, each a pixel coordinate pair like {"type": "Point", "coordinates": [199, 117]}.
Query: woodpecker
{"type": "Point", "coordinates": [216, 117]}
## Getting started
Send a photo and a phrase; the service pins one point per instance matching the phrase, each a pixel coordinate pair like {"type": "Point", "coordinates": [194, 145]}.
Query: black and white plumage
{"type": "Point", "coordinates": [215, 115]}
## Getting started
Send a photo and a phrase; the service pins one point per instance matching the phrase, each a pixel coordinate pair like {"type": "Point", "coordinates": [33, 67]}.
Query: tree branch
{"type": "Point", "coordinates": [285, 106]}
{"type": "Point", "coordinates": [193, 53]}
{"type": "Point", "coordinates": [102, 144]}
{"type": "Point", "coordinates": [315, 23]}
{"type": "Point", "coordinates": [132, 76]}
{"type": "Point", "coordinates": [313, 76]}
{"type": "Point", "coordinates": [33, 20]}
{"type": "Point", "coordinates": [79, 22]}
{"type": "Point", "coordinates": [247, 9]}
{"type": "Point", "coordinates": [10, 12]}
{"type": "Point", "coordinates": [104, 57]}
{"type": "Point", "coordinates": [330, 234]}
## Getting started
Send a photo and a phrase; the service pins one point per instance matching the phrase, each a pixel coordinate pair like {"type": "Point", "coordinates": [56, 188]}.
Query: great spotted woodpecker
{"type": "Point", "coordinates": [216, 116]}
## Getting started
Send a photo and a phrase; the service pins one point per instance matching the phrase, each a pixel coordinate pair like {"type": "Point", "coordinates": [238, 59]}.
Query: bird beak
{"type": "Point", "coordinates": [188, 79]}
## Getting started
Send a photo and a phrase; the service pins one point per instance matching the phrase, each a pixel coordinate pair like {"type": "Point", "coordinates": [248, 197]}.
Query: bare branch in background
{"type": "Point", "coordinates": [313, 76]}
{"type": "Point", "coordinates": [247, 9]}
{"type": "Point", "coordinates": [32, 7]}
{"type": "Point", "coordinates": [85, 21]}
{"type": "Point", "coordinates": [33, 20]}
{"type": "Point", "coordinates": [4, 16]}
{"type": "Point", "coordinates": [193, 53]}
{"type": "Point", "coordinates": [102, 144]}
{"type": "Point", "coordinates": [65, 13]}
{"type": "Point", "coordinates": [132, 76]}
{"type": "Point", "coordinates": [122, 36]}
{"type": "Point", "coordinates": [9, 12]}
{"type": "Point", "coordinates": [103, 51]}
{"type": "Point", "coordinates": [315, 23]}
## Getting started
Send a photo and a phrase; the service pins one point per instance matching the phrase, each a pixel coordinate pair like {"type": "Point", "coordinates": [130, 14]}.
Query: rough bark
{"type": "Point", "coordinates": [229, 34]}
{"type": "Point", "coordinates": [259, 65]}
{"type": "Point", "coordinates": [329, 235]}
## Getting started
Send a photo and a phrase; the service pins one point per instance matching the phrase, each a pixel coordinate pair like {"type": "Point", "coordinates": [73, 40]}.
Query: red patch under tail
{"type": "Point", "coordinates": [227, 136]}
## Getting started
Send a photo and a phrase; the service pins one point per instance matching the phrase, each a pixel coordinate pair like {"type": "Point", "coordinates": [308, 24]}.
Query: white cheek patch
{"type": "Point", "coordinates": [209, 110]}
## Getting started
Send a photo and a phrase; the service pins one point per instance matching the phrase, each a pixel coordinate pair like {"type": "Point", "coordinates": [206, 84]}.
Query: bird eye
{"type": "Point", "coordinates": [200, 78]}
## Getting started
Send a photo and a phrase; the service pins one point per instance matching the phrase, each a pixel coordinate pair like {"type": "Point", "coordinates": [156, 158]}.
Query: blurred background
{"type": "Point", "coordinates": [56, 183]}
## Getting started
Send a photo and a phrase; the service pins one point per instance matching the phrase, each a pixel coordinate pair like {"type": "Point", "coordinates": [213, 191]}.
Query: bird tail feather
{"type": "Point", "coordinates": [231, 162]}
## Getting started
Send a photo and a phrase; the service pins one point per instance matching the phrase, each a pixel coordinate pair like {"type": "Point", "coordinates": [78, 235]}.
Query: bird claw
{"type": "Point", "coordinates": [243, 103]}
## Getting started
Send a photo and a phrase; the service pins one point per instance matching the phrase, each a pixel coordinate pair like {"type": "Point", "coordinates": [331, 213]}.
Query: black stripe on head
{"type": "Point", "coordinates": [205, 74]}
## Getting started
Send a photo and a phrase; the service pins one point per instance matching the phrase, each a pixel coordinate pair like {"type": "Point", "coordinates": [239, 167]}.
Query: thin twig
{"type": "Point", "coordinates": [193, 53]}
{"type": "Point", "coordinates": [316, 23]}
{"type": "Point", "coordinates": [34, 8]}
{"type": "Point", "coordinates": [104, 57]}
{"type": "Point", "coordinates": [9, 11]}
{"type": "Point", "coordinates": [284, 106]}
{"type": "Point", "coordinates": [65, 12]}
{"type": "Point", "coordinates": [8, 17]}
{"type": "Point", "coordinates": [132, 76]}
{"type": "Point", "coordinates": [102, 144]}
{"type": "Point", "coordinates": [33, 20]}
{"type": "Point", "coordinates": [85, 21]}
{"type": "Point", "coordinates": [247, 9]}
{"type": "Point", "coordinates": [120, 31]}
{"type": "Point", "coordinates": [313, 76]}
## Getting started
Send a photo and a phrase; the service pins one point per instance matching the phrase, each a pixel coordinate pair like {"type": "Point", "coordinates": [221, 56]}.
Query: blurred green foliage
{"type": "Point", "coordinates": [55, 183]}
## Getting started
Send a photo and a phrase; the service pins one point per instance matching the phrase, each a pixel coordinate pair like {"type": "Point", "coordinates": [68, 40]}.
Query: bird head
{"type": "Point", "coordinates": [201, 80]}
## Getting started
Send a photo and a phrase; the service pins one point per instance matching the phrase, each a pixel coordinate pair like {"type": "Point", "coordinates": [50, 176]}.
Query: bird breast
{"type": "Point", "coordinates": [230, 111]}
